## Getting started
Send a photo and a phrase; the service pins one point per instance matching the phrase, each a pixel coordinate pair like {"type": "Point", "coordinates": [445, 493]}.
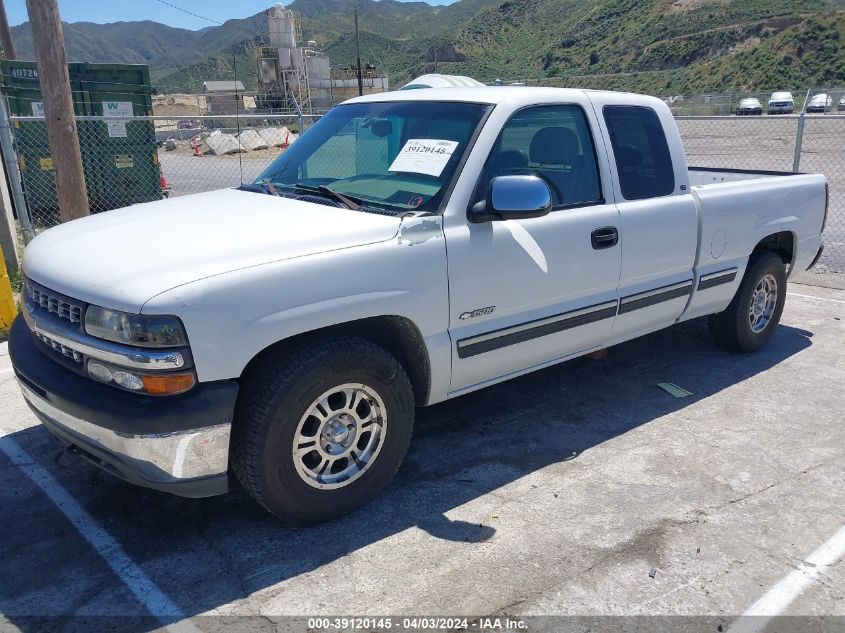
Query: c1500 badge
{"type": "Point", "coordinates": [477, 313]}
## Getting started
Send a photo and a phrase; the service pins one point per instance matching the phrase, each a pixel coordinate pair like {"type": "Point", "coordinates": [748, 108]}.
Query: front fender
{"type": "Point", "coordinates": [230, 318]}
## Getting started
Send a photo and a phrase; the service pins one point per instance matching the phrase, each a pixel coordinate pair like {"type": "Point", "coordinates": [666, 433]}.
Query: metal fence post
{"type": "Point", "coordinates": [299, 118]}
{"type": "Point", "coordinates": [799, 135]}
{"type": "Point", "coordinates": [13, 169]}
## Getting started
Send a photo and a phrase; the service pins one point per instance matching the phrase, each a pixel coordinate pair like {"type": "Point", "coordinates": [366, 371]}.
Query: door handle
{"type": "Point", "coordinates": [605, 237]}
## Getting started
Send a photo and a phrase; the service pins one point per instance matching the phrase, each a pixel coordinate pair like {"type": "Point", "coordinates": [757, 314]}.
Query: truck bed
{"type": "Point", "coordinates": [702, 176]}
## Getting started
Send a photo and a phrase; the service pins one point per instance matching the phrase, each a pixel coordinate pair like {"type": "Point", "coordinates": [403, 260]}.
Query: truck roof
{"type": "Point", "coordinates": [515, 95]}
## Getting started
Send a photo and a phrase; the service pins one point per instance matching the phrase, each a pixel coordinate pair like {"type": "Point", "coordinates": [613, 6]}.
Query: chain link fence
{"type": "Point", "coordinates": [141, 159]}
{"type": "Point", "coordinates": [823, 152]}
{"type": "Point", "coordinates": [812, 144]}
{"type": "Point", "coordinates": [219, 152]}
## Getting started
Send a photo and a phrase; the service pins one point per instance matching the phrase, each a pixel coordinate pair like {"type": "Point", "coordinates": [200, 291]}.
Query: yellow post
{"type": "Point", "coordinates": [8, 310]}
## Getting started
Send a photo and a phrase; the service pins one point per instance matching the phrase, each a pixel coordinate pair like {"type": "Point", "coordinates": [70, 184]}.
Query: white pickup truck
{"type": "Point", "coordinates": [409, 248]}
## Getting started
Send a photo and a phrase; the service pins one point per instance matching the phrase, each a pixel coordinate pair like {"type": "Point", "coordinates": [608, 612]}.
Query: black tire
{"type": "Point", "coordinates": [275, 395]}
{"type": "Point", "coordinates": [732, 328]}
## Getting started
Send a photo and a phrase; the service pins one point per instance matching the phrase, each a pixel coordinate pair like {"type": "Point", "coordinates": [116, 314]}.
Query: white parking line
{"type": "Point", "coordinates": [145, 590]}
{"type": "Point", "coordinates": [795, 294]}
{"type": "Point", "coordinates": [778, 598]}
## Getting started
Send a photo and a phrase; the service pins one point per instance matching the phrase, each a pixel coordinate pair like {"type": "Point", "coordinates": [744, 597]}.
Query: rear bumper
{"type": "Point", "coordinates": [178, 444]}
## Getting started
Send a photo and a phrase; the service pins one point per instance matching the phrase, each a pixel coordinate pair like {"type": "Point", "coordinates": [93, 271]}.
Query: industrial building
{"type": "Point", "coordinates": [224, 97]}
{"type": "Point", "coordinates": [296, 78]}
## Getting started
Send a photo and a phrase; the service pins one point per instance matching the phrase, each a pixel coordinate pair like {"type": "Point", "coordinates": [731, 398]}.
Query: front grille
{"type": "Point", "coordinates": [54, 303]}
{"type": "Point", "coordinates": [72, 354]}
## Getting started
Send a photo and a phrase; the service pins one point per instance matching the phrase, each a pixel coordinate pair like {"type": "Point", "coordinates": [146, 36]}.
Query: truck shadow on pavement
{"type": "Point", "coordinates": [207, 553]}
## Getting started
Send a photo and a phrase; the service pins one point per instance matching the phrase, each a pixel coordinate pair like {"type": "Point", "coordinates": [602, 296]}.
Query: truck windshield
{"type": "Point", "coordinates": [395, 155]}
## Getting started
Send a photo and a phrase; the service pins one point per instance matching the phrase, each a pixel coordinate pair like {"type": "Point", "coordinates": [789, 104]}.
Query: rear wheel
{"type": "Point", "coordinates": [752, 316]}
{"type": "Point", "coordinates": [321, 429]}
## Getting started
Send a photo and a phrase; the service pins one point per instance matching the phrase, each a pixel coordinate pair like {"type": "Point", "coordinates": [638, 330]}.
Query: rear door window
{"type": "Point", "coordinates": [642, 153]}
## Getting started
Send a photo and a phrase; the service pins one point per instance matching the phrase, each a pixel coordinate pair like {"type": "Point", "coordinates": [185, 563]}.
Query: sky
{"type": "Point", "coordinates": [130, 10]}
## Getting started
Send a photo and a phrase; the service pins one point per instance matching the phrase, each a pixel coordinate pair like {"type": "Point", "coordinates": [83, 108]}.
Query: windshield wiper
{"type": "Point", "coordinates": [262, 186]}
{"type": "Point", "coordinates": [265, 186]}
{"type": "Point", "coordinates": [349, 201]}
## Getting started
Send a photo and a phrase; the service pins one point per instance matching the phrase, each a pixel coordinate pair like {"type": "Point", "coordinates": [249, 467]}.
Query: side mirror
{"type": "Point", "coordinates": [513, 198]}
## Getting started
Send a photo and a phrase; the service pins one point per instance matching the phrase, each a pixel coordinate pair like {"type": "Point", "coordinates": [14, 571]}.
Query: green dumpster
{"type": "Point", "coordinates": [23, 92]}
{"type": "Point", "coordinates": [123, 154]}
{"type": "Point", "coordinates": [119, 156]}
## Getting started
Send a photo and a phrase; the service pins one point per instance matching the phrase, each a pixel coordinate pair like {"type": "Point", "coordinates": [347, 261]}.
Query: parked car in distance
{"type": "Point", "coordinates": [749, 106]}
{"type": "Point", "coordinates": [841, 103]}
{"type": "Point", "coordinates": [821, 102]}
{"type": "Point", "coordinates": [781, 103]}
{"type": "Point", "coordinates": [285, 330]}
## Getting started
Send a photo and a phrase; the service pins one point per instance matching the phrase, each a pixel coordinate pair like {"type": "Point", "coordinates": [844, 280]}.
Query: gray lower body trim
{"type": "Point", "coordinates": [534, 329]}
{"type": "Point", "coordinates": [653, 297]}
{"type": "Point", "coordinates": [717, 278]}
{"type": "Point", "coordinates": [505, 337]}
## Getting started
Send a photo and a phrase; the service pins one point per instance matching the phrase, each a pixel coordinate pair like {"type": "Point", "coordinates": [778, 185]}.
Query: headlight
{"type": "Point", "coordinates": [135, 329]}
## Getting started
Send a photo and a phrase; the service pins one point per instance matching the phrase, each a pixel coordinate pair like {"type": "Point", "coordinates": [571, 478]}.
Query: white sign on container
{"type": "Point", "coordinates": [117, 110]}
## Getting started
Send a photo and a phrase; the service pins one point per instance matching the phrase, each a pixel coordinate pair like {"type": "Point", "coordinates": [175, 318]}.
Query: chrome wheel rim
{"type": "Point", "coordinates": [763, 302]}
{"type": "Point", "coordinates": [339, 436]}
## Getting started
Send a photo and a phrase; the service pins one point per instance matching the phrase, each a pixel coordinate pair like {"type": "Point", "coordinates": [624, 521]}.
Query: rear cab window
{"type": "Point", "coordinates": [643, 160]}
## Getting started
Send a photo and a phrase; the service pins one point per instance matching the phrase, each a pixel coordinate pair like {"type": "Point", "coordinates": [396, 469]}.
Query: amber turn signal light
{"type": "Point", "coordinates": [168, 384]}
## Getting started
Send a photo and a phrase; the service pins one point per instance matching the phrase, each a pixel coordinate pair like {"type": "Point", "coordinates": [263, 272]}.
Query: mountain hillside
{"type": "Point", "coordinates": [118, 42]}
{"type": "Point", "coordinates": [658, 46]}
{"type": "Point", "coordinates": [673, 46]}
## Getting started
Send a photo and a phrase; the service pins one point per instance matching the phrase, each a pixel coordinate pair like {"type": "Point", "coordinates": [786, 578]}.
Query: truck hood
{"type": "Point", "coordinates": [121, 259]}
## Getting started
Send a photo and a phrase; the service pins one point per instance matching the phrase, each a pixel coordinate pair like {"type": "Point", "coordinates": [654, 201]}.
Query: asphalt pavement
{"type": "Point", "coordinates": [580, 491]}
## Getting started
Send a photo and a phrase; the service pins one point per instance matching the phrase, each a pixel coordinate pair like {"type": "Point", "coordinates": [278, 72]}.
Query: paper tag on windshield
{"type": "Point", "coordinates": [424, 156]}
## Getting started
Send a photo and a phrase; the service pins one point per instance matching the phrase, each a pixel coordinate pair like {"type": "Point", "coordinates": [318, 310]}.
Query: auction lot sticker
{"type": "Point", "coordinates": [424, 156]}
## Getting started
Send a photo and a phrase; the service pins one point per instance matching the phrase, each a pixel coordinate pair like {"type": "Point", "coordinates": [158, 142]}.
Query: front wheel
{"type": "Point", "coordinates": [321, 429]}
{"type": "Point", "coordinates": [752, 316]}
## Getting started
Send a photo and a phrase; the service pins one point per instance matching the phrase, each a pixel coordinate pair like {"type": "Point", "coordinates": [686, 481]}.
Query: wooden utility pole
{"type": "Point", "coordinates": [358, 55]}
{"type": "Point", "coordinates": [49, 45]}
{"type": "Point", "coordinates": [6, 34]}
{"type": "Point", "coordinates": [7, 234]}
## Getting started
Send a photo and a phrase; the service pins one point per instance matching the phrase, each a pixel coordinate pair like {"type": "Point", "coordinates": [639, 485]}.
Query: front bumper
{"type": "Point", "coordinates": [178, 444]}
